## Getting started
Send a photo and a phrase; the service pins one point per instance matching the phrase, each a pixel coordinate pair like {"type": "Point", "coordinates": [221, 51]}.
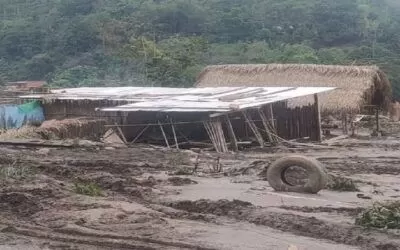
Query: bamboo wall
{"type": "Point", "coordinates": [297, 123]}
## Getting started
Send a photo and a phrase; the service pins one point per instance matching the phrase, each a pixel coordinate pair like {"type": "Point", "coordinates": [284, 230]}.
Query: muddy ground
{"type": "Point", "coordinates": [147, 198]}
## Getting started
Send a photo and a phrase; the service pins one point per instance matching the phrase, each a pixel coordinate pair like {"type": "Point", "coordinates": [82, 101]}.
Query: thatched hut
{"type": "Point", "coordinates": [357, 86]}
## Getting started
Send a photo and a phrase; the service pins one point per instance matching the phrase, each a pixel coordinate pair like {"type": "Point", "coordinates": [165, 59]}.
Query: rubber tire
{"type": "Point", "coordinates": [317, 174]}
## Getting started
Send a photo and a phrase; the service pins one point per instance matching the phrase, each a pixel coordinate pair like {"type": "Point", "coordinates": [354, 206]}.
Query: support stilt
{"type": "Point", "coordinates": [121, 134]}
{"type": "Point", "coordinates": [173, 131]}
{"type": "Point", "coordinates": [164, 135]}
{"type": "Point", "coordinates": [234, 144]}
{"type": "Point", "coordinates": [140, 134]}
{"type": "Point", "coordinates": [254, 128]}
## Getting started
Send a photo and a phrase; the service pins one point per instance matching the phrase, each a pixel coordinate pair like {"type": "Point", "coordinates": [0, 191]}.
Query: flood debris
{"type": "Point", "coordinates": [342, 184]}
{"type": "Point", "coordinates": [384, 215]}
{"type": "Point", "coordinates": [154, 195]}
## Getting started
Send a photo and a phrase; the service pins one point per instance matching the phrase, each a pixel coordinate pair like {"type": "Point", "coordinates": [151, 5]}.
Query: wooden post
{"type": "Point", "coordinates": [173, 131]}
{"type": "Point", "coordinates": [164, 135]}
{"type": "Point", "coordinates": [207, 126]}
{"type": "Point", "coordinates": [318, 117]}
{"type": "Point", "coordinates": [254, 128]}
{"type": "Point", "coordinates": [271, 110]}
{"type": "Point", "coordinates": [377, 120]}
{"type": "Point", "coordinates": [232, 136]}
{"type": "Point", "coordinates": [216, 134]}
{"type": "Point", "coordinates": [265, 124]}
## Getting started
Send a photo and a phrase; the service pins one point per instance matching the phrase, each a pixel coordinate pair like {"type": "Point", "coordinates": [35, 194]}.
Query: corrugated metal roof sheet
{"type": "Point", "coordinates": [219, 99]}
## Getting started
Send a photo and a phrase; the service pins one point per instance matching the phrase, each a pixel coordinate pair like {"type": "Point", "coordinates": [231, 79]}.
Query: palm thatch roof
{"type": "Point", "coordinates": [356, 85]}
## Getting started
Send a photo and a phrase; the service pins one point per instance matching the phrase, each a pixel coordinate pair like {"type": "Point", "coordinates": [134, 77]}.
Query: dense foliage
{"type": "Point", "coordinates": [167, 42]}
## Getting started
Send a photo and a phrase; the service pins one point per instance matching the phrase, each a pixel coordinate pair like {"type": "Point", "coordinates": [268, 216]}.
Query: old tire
{"type": "Point", "coordinates": [317, 175]}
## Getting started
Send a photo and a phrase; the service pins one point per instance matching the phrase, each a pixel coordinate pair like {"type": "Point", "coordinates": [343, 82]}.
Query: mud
{"type": "Point", "coordinates": [178, 181]}
{"type": "Point", "coordinates": [163, 199]}
{"type": "Point", "coordinates": [304, 226]}
{"type": "Point", "coordinates": [19, 203]}
{"type": "Point", "coordinates": [339, 210]}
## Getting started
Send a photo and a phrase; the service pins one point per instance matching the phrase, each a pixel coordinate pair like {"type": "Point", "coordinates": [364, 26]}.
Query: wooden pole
{"type": "Point", "coordinates": [140, 134]}
{"type": "Point", "coordinates": [173, 131]}
{"type": "Point", "coordinates": [318, 117]}
{"type": "Point", "coordinates": [164, 135]}
{"type": "Point", "coordinates": [271, 110]}
{"type": "Point", "coordinates": [122, 134]}
{"type": "Point", "coordinates": [207, 126]}
{"type": "Point", "coordinates": [265, 124]}
{"type": "Point", "coordinates": [234, 144]}
{"type": "Point", "coordinates": [216, 134]}
{"type": "Point", "coordinates": [377, 120]}
{"type": "Point", "coordinates": [254, 128]}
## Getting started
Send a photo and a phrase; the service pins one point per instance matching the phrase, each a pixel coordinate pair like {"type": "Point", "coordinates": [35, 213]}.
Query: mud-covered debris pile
{"type": "Point", "coordinates": [73, 128]}
{"type": "Point", "coordinates": [220, 207]}
{"type": "Point", "coordinates": [381, 215]}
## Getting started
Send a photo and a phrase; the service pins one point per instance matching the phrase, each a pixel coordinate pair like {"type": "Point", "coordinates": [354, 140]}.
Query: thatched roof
{"type": "Point", "coordinates": [356, 85]}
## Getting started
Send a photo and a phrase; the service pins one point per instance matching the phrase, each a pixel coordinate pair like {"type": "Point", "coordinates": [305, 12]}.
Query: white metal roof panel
{"type": "Point", "coordinates": [236, 99]}
{"type": "Point", "coordinates": [210, 99]}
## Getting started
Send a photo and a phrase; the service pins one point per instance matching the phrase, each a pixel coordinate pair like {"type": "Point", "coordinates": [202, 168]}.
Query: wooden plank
{"type": "Point", "coordinates": [232, 136]}
{"type": "Point", "coordinates": [265, 124]}
{"type": "Point", "coordinates": [318, 118]}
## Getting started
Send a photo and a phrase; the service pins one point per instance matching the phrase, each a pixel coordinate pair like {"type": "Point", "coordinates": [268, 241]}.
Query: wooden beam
{"type": "Point", "coordinates": [164, 135]}
{"type": "Point", "coordinates": [318, 117]}
{"type": "Point", "coordinates": [254, 128]}
{"type": "Point", "coordinates": [232, 136]}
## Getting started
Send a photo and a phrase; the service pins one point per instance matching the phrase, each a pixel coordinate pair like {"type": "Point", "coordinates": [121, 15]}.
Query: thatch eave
{"type": "Point", "coordinates": [357, 86]}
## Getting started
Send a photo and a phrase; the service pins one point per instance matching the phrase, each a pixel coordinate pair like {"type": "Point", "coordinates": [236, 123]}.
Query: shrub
{"type": "Point", "coordinates": [381, 215]}
{"type": "Point", "coordinates": [342, 184]}
{"type": "Point", "coordinates": [89, 189]}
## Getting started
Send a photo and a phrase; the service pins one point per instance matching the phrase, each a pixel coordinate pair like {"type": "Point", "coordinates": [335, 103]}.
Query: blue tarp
{"type": "Point", "coordinates": [15, 116]}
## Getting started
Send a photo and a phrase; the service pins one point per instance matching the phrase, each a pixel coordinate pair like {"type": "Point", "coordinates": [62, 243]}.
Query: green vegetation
{"type": "Point", "coordinates": [15, 172]}
{"type": "Point", "coordinates": [87, 188]}
{"type": "Point", "coordinates": [381, 215]}
{"type": "Point", "coordinates": [341, 184]}
{"type": "Point", "coordinates": [167, 42]}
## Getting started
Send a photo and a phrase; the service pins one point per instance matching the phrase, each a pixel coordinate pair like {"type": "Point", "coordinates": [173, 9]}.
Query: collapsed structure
{"type": "Point", "coordinates": [175, 117]}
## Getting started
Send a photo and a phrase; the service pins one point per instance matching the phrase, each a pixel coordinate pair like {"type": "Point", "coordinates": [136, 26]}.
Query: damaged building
{"type": "Point", "coordinates": [225, 118]}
